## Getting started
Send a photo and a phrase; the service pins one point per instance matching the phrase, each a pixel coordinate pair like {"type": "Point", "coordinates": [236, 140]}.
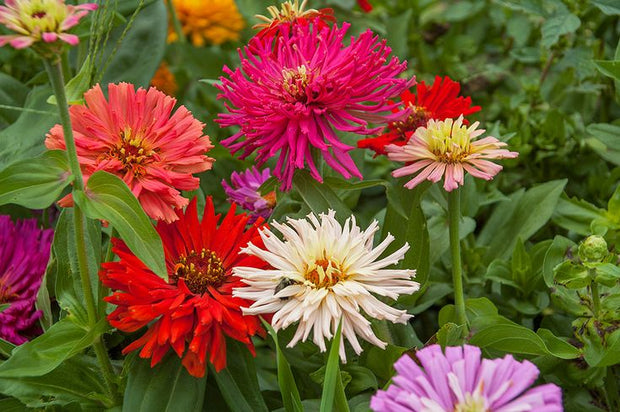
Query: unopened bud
{"type": "Point", "coordinates": [593, 249]}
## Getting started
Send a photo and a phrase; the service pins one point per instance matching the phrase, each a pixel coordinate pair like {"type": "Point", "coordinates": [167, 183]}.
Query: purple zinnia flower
{"type": "Point", "coordinates": [244, 192]}
{"type": "Point", "coordinates": [461, 381]}
{"type": "Point", "coordinates": [294, 91]}
{"type": "Point", "coordinates": [24, 252]}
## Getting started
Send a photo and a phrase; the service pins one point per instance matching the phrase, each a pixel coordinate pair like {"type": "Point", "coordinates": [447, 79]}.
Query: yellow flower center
{"type": "Point", "coordinates": [199, 271]}
{"type": "Point", "coordinates": [472, 403]}
{"type": "Point", "coordinates": [325, 273]}
{"type": "Point", "coordinates": [133, 152]}
{"type": "Point", "coordinates": [448, 141]}
{"type": "Point", "coordinates": [295, 82]}
{"type": "Point", "coordinates": [38, 16]}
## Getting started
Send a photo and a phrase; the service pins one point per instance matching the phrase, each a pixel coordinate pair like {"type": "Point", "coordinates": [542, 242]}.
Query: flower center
{"type": "Point", "coordinates": [295, 82]}
{"type": "Point", "coordinates": [325, 273]}
{"type": "Point", "coordinates": [418, 118]}
{"type": "Point", "coordinates": [5, 293]}
{"type": "Point", "coordinates": [270, 198]}
{"type": "Point", "coordinates": [133, 152]}
{"type": "Point", "coordinates": [450, 144]}
{"type": "Point", "coordinates": [473, 402]}
{"type": "Point", "coordinates": [199, 271]}
{"type": "Point", "coordinates": [38, 14]}
{"type": "Point", "coordinates": [287, 13]}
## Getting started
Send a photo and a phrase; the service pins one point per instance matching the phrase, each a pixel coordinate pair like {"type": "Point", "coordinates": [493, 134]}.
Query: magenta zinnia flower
{"type": "Point", "coordinates": [447, 149]}
{"type": "Point", "coordinates": [461, 381]}
{"type": "Point", "coordinates": [294, 91]}
{"type": "Point", "coordinates": [140, 137]}
{"type": "Point", "coordinates": [24, 252]}
{"type": "Point", "coordinates": [244, 192]}
{"type": "Point", "coordinates": [41, 21]}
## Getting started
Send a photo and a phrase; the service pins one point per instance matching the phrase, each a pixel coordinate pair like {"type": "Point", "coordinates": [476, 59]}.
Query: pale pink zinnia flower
{"type": "Point", "coordinates": [24, 252]}
{"type": "Point", "coordinates": [295, 90]}
{"type": "Point", "coordinates": [324, 273]}
{"type": "Point", "coordinates": [447, 148]}
{"type": "Point", "coordinates": [461, 381]}
{"type": "Point", "coordinates": [40, 21]}
{"type": "Point", "coordinates": [138, 136]}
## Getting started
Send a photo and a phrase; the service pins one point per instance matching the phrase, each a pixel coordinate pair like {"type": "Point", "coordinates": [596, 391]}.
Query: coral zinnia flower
{"type": "Point", "coordinates": [447, 147]}
{"type": "Point", "coordinates": [44, 21]}
{"type": "Point", "coordinates": [136, 136]}
{"type": "Point", "coordinates": [460, 381]}
{"type": "Point", "coordinates": [290, 14]}
{"type": "Point", "coordinates": [323, 274]}
{"type": "Point", "coordinates": [207, 21]}
{"type": "Point", "coordinates": [194, 309]}
{"type": "Point", "coordinates": [164, 80]}
{"type": "Point", "coordinates": [439, 102]}
{"type": "Point", "coordinates": [244, 192]}
{"type": "Point", "coordinates": [24, 252]}
{"type": "Point", "coordinates": [293, 90]}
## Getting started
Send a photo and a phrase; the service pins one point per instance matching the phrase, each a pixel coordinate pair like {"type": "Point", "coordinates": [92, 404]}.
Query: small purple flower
{"type": "Point", "coordinates": [244, 192]}
{"type": "Point", "coordinates": [461, 381]}
{"type": "Point", "coordinates": [24, 252]}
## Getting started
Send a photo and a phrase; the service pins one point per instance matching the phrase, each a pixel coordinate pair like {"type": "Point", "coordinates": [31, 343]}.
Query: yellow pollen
{"type": "Point", "coordinates": [133, 152]}
{"type": "Point", "coordinates": [417, 118]}
{"type": "Point", "coordinates": [199, 271]}
{"type": "Point", "coordinates": [325, 273]}
{"type": "Point", "coordinates": [295, 82]}
{"type": "Point", "coordinates": [449, 142]}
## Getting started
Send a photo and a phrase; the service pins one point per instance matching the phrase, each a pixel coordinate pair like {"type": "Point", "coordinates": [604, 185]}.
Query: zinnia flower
{"type": "Point", "coordinates": [448, 148]}
{"type": "Point", "coordinates": [207, 21]}
{"type": "Point", "coordinates": [290, 14]}
{"type": "Point", "coordinates": [439, 102]}
{"type": "Point", "coordinates": [460, 381]}
{"type": "Point", "coordinates": [136, 136]}
{"type": "Point", "coordinates": [324, 273]}
{"type": "Point", "coordinates": [44, 21]}
{"type": "Point", "coordinates": [164, 80]}
{"type": "Point", "coordinates": [24, 252]}
{"type": "Point", "coordinates": [293, 90]}
{"type": "Point", "coordinates": [193, 310]}
{"type": "Point", "coordinates": [365, 5]}
{"type": "Point", "coordinates": [244, 192]}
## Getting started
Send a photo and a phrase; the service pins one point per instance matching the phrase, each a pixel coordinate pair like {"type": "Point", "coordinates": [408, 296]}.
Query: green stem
{"type": "Point", "coordinates": [454, 216]}
{"type": "Point", "coordinates": [176, 24]}
{"type": "Point", "coordinates": [54, 71]}
{"type": "Point", "coordinates": [596, 300]}
{"type": "Point", "coordinates": [611, 389]}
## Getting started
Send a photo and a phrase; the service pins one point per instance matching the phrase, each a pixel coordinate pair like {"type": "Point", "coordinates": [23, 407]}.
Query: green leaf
{"type": "Point", "coordinates": [4, 306]}
{"type": "Point", "coordinates": [556, 26]}
{"type": "Point", "coordinates": [450, 334]}
{"type": "Point", "coordinates": [238, 382]}
{"type": "Point", "coordinates": [6, 348]}
{"type": "Point", "coordinates": [75, 380]}
{"type": "Point", "coordinates": [576, 215]}
{"type": "Point", "coordinates": [604, 141]}
{"type": "Point", "coordinates": [610, 68]}
{"type": "Point", "coordinates": [555, 255]}
{"type": "Point", "coordinates": [286, 380]}
{"type": "Point", "coordinates": [12, 94]}
{"type": "Point", "coordinates": [522, 216]}
{"type": "Point", "coordinates": [319, 197]}
{"type": "Point", "coordinates": [78, 85]}
{"type": "Point", "coordinates": [398, 32]}
{"type": "Point", "coordinates": [12, 405]}
{"type": "Point", "coordinates": [609, 7]}
{"type": "Point", "coordinates": [332, 386]}
{"type": "Point", "coordinates": [44, 353]}
{"type": "Point", "coordinates": [571, 275]}
{"type": "Point", "coordinates": [142, 49]}
{"type": "Point", "coordinates": [108, 197]}
{"type": "Point", "coordinates": [166, 387]}
{"type": "Point", "coordinates": [35, 183]}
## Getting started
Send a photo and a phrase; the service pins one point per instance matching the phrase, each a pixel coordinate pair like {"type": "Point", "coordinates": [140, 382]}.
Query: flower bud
{"type": "Point", "coordinates": [593, 249]}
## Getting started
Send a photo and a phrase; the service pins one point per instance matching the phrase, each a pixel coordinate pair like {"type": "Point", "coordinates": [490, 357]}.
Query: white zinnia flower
{"type": "Point", "coordinates": [323, 273]}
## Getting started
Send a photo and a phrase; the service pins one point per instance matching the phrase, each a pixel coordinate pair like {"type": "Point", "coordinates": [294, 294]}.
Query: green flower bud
{"type": "Point", "coordinates": [593, 249]}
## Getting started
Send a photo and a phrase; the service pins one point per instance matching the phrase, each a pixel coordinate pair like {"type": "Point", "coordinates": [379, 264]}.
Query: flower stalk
{"type": "Point", "coordinates": [55, 73]}
{"type": "Point", "coordinates": [454, 216]}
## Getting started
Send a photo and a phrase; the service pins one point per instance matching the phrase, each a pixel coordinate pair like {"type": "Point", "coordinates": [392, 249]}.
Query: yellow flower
{"type": "Point", "coordinates": [207, 21]}
{"type": "Point", "coordinates": [164, 80]}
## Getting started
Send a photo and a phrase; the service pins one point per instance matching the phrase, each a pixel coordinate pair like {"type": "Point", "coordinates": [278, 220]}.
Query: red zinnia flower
{"type": "Point", "coordinates": [138, 136]}
{"type": "Point", "coordinates": [194, 309]}
{"type": "Point", "coordinates": [365, 5]}
{"type": "Point", "coordinates": [438, 102]}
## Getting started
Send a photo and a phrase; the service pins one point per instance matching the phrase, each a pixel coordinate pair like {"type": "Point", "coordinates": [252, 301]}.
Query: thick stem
{"type": "Point", "coordinates": [454, 216]}
{"type": "Point", "coordinates": [54, 71]}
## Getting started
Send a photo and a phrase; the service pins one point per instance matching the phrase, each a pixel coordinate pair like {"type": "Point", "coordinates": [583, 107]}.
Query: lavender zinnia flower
{"type": "Point", "coordinates": [244, 192]}
{"type": "Point", "coordinates": [24, 252]}
{"type": "Point", "coordinates": [461, 381]}
{"type": "Point", "coordinates": [294, 91]}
